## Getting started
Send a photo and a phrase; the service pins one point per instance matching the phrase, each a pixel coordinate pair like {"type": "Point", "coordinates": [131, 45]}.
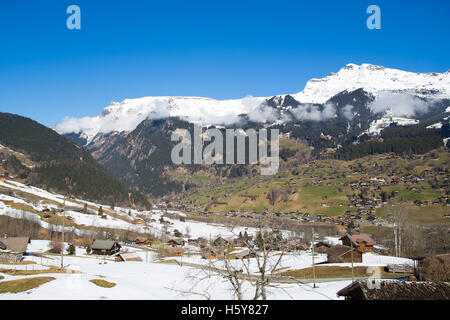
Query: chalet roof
{"type": "Point", "coordinates": [358, 238]}
{"type": "Point", "coordinates": [398, 290]}
{"type": "Point", "coordinates": [16, 243]}
{"type": "Point", "coordinates": [338, 250]}
{"type": "Point", "coordinates": [176, 241]}
{"type": "Point", "coordinates": [103, 244]}
{"type": "Point", "coordinates": [130, 256]}
{"type": "Point", "coordinates": [2, 246]}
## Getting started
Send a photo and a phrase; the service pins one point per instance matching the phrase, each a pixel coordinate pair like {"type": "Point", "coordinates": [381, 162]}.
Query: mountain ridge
{"type": "Point", "coordinates": [375, 80]}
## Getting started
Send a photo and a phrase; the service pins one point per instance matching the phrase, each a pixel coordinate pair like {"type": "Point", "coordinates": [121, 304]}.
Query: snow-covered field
{"type": "Point", "coordinates": [143, 280]}
{"type": "Point", "coordinates": [153, 279]}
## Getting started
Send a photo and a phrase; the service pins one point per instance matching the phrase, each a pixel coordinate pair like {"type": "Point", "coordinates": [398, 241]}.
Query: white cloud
{"type": "Point", "coordinates": [313, 112]}
{"type": "Point", "coordinates": [347, 112]}
{"type": "Point", "coordinates": [399, 104]}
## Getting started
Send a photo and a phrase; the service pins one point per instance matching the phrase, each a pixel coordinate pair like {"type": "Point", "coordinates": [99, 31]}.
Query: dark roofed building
{"type": "Point", "coordinates": [340, 253]}
{"type": "Point", "coordinates": [105, 247]}
{"type": "Point", "coordinates": [395, 290]}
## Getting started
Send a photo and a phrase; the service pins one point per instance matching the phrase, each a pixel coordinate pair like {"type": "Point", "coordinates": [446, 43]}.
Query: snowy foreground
{"type": "Point", "coordinates": [152, 279]}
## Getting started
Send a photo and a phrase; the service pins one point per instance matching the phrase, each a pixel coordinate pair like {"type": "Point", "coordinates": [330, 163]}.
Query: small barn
{"type": "Point", "coordinates": [340, 254]}
{"type": "Point", "coordinates": [105, 247]}
{"type": "Point", "coordinates": [395, 290]}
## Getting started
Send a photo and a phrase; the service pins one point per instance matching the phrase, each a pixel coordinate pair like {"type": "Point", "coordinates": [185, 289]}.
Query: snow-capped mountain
{"type": "Point", "coordinates": [399, 91]}
{"type": "Point", "coordinates": [374, 80]}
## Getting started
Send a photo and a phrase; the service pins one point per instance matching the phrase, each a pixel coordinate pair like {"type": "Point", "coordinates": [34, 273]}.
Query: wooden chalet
{"type": "Point", "coordinates": [395, 290]}
{"type": "Point", "coordinates": [362, 242]}
{"type": "Point", "coordinates": [105, 247]}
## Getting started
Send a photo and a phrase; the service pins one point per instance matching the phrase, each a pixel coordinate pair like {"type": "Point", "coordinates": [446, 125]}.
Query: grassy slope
{"type": "Point", "coordinates": [329, 198]}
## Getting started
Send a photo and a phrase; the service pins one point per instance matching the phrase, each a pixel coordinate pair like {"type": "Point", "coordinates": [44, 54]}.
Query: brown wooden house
{"type": "Point", "coordinates": [362, 242]}
{"type": "Point", "coordinates": [105, 247]}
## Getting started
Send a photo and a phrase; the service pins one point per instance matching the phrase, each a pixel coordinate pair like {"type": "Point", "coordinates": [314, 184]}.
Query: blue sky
{"type": "Point", "coordinates": [218, 49]}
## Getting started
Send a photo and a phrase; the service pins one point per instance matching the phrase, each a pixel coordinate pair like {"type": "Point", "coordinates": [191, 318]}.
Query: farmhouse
{"type": "Point", "coordinates": [105, 247]}
{"type": "Point", "coordinates": [340, 253]}
{"type": "Point", "coordinates": [362, 242]}
{"type": "Point", "coordinates": [395, 290]}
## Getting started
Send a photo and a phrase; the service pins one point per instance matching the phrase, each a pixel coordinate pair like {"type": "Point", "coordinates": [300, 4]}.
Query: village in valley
{"type": "Point", "coordinates": [172, 252]}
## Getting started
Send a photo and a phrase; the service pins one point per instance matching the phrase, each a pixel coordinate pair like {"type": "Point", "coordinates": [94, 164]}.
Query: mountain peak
{"type": "Point", "coordinates": [373, 79]}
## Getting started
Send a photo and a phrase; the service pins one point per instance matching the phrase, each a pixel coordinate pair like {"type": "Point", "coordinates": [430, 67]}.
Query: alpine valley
{"type": "Point", "coordinates": [333, 129]}
{"type": "Point", "coordinates": [361, 110]}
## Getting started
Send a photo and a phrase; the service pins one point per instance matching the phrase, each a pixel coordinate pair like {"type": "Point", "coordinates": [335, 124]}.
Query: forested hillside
{"type": "Point", "coordinates": [58, 164]}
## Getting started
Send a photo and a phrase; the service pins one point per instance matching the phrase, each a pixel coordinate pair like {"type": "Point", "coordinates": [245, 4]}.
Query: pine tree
{"type": "Point", "coordinates": [88, 249]}
{"type": "Point", "coordinates": [71, 249]}
{"type": "Point", "coordinates": [100, 211]}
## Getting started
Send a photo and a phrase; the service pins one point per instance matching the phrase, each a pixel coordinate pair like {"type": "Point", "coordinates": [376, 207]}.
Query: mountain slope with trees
{"type": "Point", "coordinates": [59, 164]}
